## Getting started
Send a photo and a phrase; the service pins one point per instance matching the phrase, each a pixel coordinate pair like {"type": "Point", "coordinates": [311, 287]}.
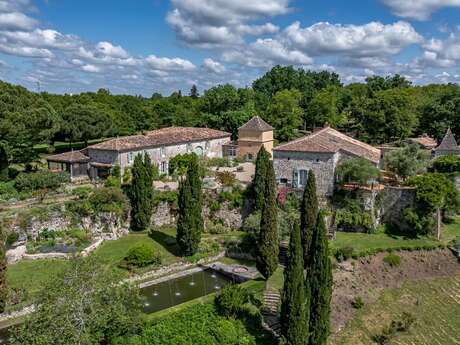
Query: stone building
{"type": "Point", "coordinates": [161, 145]}
{"type": "Point", "coordinates": [73, 162]}
{"type": "Point", "coordinates": [251, 137]}
{"type": "Point", "coordinates": [448, 145]}
{"type": "Point", "coordinates": [320, 152]}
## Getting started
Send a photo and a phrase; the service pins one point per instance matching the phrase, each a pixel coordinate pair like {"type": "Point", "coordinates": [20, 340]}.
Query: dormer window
{"type": "Point", "coordinates": [163, 151]}
{"type": "Point", "coordinates": [189, 148]}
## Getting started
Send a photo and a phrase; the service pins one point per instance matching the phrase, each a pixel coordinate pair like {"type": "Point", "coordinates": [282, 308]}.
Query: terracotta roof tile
{"type": "Point", "coordinates": [69, 157]}
{"type": "Point", "coordinates": [256, 124]}
{"type": "Point", "coordinates": [160, 137]}
{"type": "Point", "coordinates": [329, 140]}
{"type": "Point", "coordinates": [425, 141]}
{"type": "Point", "coordinates": [448, 142]}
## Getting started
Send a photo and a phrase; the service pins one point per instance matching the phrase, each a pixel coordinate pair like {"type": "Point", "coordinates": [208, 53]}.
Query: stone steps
{"type": "Point", "coordinates": [270, 312]}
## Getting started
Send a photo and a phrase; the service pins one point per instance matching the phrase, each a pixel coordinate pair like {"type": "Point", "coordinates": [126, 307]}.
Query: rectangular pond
{"type": "Point", "coordinates": [178, 290]}
{"type": "Point", "coordinates": [172, 291]}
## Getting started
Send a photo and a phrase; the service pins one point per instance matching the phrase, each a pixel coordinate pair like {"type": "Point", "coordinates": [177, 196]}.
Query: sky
{"type": "Point", "coordinates": [147, 46]}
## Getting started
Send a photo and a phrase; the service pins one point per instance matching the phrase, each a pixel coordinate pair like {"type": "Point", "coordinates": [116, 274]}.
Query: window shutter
{"type": "Point", "coordinates": [295, 178]}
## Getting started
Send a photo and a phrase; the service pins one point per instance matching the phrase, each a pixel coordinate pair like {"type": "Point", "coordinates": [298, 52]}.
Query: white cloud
{"type": "Point", "coordinates": [442, 53]}
{"type": "Point", "coordinates": [168, 64]}
{"type": "Point", "coordinates": [213, 66]}
{"type": "Point", "coordinates": [16, 21]}
{"type": "Point", "coordinates": [372, 39]}
{"type": "Point", "coordinates": [419, 9]}
{"type": "Point", "coordinates": [210, 23]}
{"type": "Point", "coordinates": [109, 49]}
{"type": "Point", "coordinates": [90, 68]}
{"type": "Point", "coordinates": [264, 53]}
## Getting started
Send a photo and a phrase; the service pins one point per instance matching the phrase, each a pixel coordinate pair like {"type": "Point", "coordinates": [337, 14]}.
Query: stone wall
{"type": "Point", "coordinates": [322, 164]}
{"type": "Point", "coordinates": [394, 201]}
{"type": "Point", "coordinates": [164, 215]}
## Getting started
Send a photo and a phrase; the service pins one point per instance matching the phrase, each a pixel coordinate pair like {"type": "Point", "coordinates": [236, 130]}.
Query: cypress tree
{"type": "Point", "coordinates": [295, 298]}
{"type": "Point", "coordinates": [259, 181]}
{"type": "Point", "coordinates": [141, 192]}
{"type": "Point", "coordinates": [3, 163]}
{"type": "Point", "coordinates": [320, 281]}
{"type": "Point", "coordinates": [3, 265]}
{"type": "Point", "coordinates": [268, 246]}
{"type": "Point", "coordinates": [190, 220]}
{"type": "Point", "coordinates": [308, 216]}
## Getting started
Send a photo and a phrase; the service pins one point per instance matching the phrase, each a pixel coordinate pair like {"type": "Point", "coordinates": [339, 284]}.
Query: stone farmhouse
{"type": "Point", "coordinates": [320, 152]}
{"type": "Point", "coordinates": [161, 145]}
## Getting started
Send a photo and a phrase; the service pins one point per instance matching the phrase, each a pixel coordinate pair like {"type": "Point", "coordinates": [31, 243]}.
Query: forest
{"type": "Point", "coordinates": [294, 101]}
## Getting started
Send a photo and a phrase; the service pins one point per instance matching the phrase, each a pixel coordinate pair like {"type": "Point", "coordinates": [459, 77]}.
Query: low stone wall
{"type": "Point", "coordinates": [19, 253]}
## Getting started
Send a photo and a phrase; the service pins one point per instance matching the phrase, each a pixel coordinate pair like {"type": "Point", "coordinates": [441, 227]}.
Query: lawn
{"type": "Point", "coordinates": [30, 276]}
{"type": "Point", "coordinates": [435, 304]}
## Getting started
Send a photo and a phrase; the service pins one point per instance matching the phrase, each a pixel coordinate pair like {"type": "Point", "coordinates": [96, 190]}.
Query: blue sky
{"type": "Point", "coordinates": [146, 46]}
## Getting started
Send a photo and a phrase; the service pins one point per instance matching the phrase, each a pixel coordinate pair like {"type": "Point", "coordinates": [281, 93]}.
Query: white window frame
{"type": "Point", "coordinates": [189, 148]}
{"type": "Point", "coordinates": [164, 167]}
{"type": "Point", "coordinates": [302, 175]}
{"type": "Point", "coordinates": [130, 156]}
{"type": "Point", "coordinates": [163, 151]}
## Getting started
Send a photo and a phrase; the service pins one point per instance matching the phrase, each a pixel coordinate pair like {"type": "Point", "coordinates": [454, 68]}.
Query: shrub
{"type": "Point", "coordinates": [401, 324]}
{"type": "Point", "coordinates": [217, 228]}
{"type": "Point", "coordinates": [82, 192]}
{"type": "Point", "coordinates": [226, 178]}
{"type": "Point", "coordinates": [392, 259]}
{"type": "Point", "coordinates": [449, 164]}
{"type": "Point", "coordinates": [344, 253]}
{"type": "Point", "coordinates": [11, 238]}
{"type": "Point", "coordinates": [7, 191]}
{"type": "Point", "coordinates": [357, 171]}
{"type": "Point", "coordinates": [141, 255]}
{"type": "Point", "coordinates": [234, 198]}
{"type": "Point", "coordinates": [231, 299]}
{"type": "Point", "coordinates": [40, 180]}
{"type": "Point", "coordinates": [219, 162]}
{"type": "Point", "coordinates": [109, 200]}
{"type": "Point", "coordinates": [251, 224]}
{"type": "Point", "coordinates": [358, 303]}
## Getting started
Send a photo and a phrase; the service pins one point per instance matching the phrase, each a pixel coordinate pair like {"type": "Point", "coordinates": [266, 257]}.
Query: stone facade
{"type": "Point", "coordinates": [250, 142]}
{"type": "Point", "coordinates": [289, 167]}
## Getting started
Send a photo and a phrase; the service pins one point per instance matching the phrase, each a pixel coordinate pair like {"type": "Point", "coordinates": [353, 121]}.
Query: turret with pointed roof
{"type": "Point", "coordinates": [252, 136]}
{"type": "Point", "coordinates": [448, 145]}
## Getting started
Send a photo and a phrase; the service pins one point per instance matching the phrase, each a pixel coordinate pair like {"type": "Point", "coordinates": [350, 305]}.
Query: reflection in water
{"type": "Point", "coordinates": [182, 289]}
{"type": "Point", "coordinates": [170, 293]}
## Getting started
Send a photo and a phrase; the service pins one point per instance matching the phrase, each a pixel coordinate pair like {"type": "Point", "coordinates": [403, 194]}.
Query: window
{"type": "Point", "coordinates": [130, 157]}
{"type": "Point", "coordinates": [207, 146]}
{"type": "Point", "coordinates": [303, 176]}
{"type": "Point", "coordinates": [249, 157]}
{"type": "Point", "coordinates": [163, 151]}
{"type": "Point", "coordinates": [232, 151]}
{"type": "Point", "coordinates": [189, 148]}
{"type": "Point", "coordinates": [164, 167]}
{"type": "Point", "coordinates": [199, 151]}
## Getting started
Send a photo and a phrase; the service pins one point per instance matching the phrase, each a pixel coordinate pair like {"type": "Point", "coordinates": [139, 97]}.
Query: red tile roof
{"type": "Point", "coordinates": [69, 157]}
{"type": "Point", "coordinates": [256, 124]}
{"type": "Point", "coordinates": [425, 141]}
{"type": "Point", "coordinates": [329, 140]}
{"type": "Point", "coordinates": [160, 137]}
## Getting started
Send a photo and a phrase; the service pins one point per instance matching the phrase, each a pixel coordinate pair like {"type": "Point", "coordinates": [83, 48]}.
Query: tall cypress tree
{"type": "Point", "coordinates": [141, 192]}
{"type": "Point", "coordinates": [320, 281]}
{"type": "Point", "coordinates": [190, 220]}
{"type": "Point", "coordinates": [268, 246]}
{"type": "Point", "coordinates": [296, 298]}
{"type": "Point", "coordinates": [3, 265]}
{"type": "Point", "coordinates": [260, 176]}
{"type": "Point", "coordinates": [308, 216]}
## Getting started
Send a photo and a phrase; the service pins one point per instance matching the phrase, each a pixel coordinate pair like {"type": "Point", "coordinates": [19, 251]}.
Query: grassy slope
{"type": "Point", "coordinates": [434, 303]}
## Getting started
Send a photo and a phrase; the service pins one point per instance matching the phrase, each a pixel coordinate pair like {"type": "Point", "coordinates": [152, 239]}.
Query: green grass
{"type": "Point", "coordinates": [434, 303]}
{"type": "Point", "coordinates": [31, 275]}
{"type": "Point", "coordinates": [365, 242]}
